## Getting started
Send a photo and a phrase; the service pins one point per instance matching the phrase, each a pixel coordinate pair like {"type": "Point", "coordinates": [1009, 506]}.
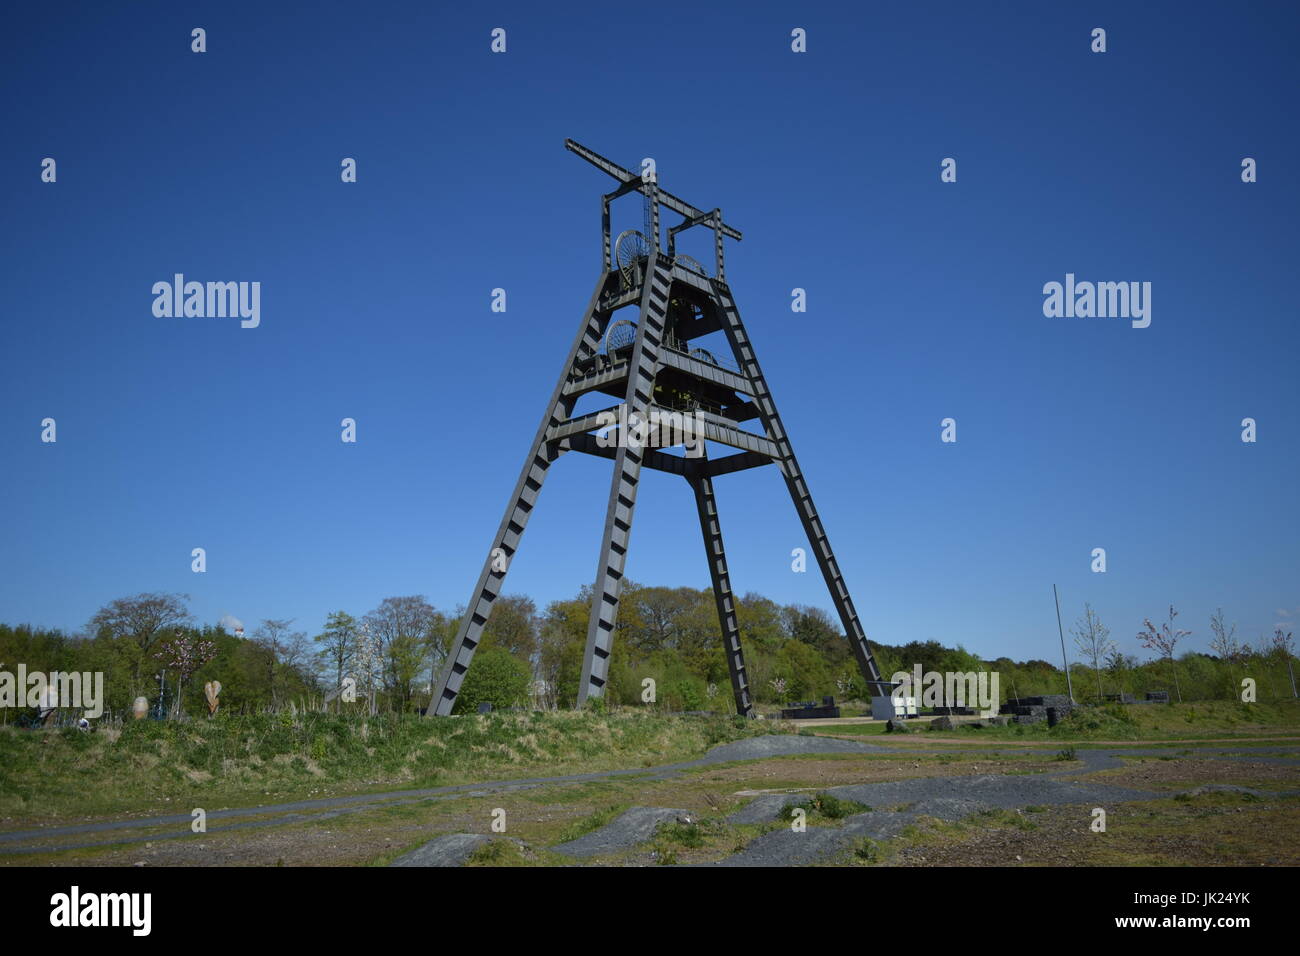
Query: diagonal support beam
{"type": "Point", "coordinates": [506, 542]}
{"type": "Point", "coordinates": [623, 486]}
{"type": "Point", "coordinates": [798, 488]}
{"type": "Point", "coordinates": [706, 505]}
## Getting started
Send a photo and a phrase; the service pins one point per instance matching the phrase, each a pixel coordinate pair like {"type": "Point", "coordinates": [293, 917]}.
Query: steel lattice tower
{"type": "Point", "coordinates": [651, 368]}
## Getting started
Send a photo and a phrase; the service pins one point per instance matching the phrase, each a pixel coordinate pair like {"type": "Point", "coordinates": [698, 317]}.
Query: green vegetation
{"type": "Point", "coordinates": [497, 678]}
{"type": "Point", "coordinates": [1202, 720]}
{"type": "Point", "coordinates": [532, 657]}
{"type": "Point", "coordinates": [869, 852]}
{"type": "Point", "coordinates": [240, 760]}
{"type": "Point", "coordinates": [683, 834]}
{"type": "Point", "coordinates": [1005, 818]}
{"type": "Point", "coordinates": [823, 806]}
{"type": "Point", "coordinates": [591, 823]}
{"type": "Point", "coordinates": [1223, 828]}
{"type": "Point", "coordinates": [499, 852]}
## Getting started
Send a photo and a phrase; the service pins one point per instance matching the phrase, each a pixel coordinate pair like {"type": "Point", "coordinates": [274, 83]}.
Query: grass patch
{"type": "Point", "coordinates": [823, 806]}
{"type": "Point", "coordinates": [164, 766]}
{"type": "Point", "coordinates": [869, 852]}
{"type": "Point", "coordinates": [1003, 818]}
{"type": "Point", "coordinates": [1219, 828]}
{"type": "Point", "coordinates": [591, 823]}
{"type": "Point", "coordinates": [683, 834]}
{"type": "Point", "coordinates": [1201, 720]}
{"type": "Point", "coordinates": [498, 853]}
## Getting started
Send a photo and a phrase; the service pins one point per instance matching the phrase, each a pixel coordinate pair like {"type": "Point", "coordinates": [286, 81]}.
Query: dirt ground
{"type": "Point", "coordinates": [1259, 825]}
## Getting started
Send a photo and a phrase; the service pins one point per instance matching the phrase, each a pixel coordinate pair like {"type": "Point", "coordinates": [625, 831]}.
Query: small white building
{"type": "Point", "coordinates": [889, 707]}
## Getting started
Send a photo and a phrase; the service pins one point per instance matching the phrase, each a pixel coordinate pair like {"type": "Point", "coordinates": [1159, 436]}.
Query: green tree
{"type": "Point", "coordinates": [561, 641]}
{"type": "Point", "coordinates": [816, 628]}
{"type": "Point", "coordinates": [498, 678]}
{"type": "Point", "coordinates": [408, 630]}
{"type": "Point", "coordinates": [338, 642]}
{"type": "Point", "coordinates": [513, 626]}
{"type": "Point", "coordinates": [805, 672]}
{"type": "Point", "coordinates": [139, 623]}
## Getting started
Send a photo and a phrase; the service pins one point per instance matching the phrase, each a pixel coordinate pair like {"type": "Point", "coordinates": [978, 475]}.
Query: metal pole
{"type": "Point", "coordinates": [1068, 683]}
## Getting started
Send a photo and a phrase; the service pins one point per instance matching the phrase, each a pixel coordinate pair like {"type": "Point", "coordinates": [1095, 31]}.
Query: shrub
{"type": "Point", "coordinates": [498, 678]}
{"type": "Point", "coordinates": [869, 851]}
{"type": "Point", "coordinates": [827, 805]}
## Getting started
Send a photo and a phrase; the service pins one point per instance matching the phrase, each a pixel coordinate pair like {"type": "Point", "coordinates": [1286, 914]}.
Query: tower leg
{"type": "Point", "coordinates": [799, 493]}
{"type": "Point", "coordinates": [506, 542]}
{"type": "Point", "coordinates": [623, 486]}
{"type": "Point", "coordinates": [707, 506]}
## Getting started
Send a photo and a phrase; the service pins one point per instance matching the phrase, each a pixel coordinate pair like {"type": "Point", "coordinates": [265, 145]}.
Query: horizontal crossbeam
{"type": "Point", "coordinates": [741, 462]}
{"type": "Point", "coordinates": [625, 176]}
{"type": "Point", "coordinates": [650, 458]}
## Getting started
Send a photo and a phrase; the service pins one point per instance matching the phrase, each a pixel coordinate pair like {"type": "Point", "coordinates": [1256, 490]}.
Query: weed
{"type": "Point", "coordinates": [869, 851]}
{"type": "Point", "coordinates": [825, 805]}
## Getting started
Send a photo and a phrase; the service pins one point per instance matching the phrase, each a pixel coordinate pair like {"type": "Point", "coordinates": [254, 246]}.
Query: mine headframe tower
{"type": "Point", "coordinates": [648, 365]}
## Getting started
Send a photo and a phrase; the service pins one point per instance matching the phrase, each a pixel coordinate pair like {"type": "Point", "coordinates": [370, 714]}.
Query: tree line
{"type": "Point", "coordinates": [387, 658]}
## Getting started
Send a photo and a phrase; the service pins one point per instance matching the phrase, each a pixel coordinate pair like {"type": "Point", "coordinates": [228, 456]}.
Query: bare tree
{"type": "Point", "coordinates": [283, 647]}
{"type": "Point", "coordinates": [1225, 644]}
{"type": "Point", "coordinates": [1164, 639]}
{"type": "Point", "coordinates": [1092, 638]}
{"type": "Point", "coordinates": [297, 655]}
{"type": "Point", "coordinates": [368, 667]}
{"type": "Point", "coordinates": [144, 620]}
{"type": "Point", "coordinates": [1283, 645]}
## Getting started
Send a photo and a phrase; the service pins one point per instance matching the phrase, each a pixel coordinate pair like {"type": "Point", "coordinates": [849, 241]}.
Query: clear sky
{"type": "Point", "coordinates": [925, 301]}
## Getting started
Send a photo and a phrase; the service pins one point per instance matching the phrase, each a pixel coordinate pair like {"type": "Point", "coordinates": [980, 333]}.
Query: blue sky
{"type": "Point", "coordinates": [924, 302]}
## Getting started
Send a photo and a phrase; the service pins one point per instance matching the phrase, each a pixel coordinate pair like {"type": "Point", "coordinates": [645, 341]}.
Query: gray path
{"type": "Point", "coordinates": [623, 832]}
{"type": "Point", "coordinates": [952, 798]}
{"type": "Point", "coordinates": [754, 748]}
{"type": "Point", "coordinates": [990, 791]}
{"type": "Point", "coordinates": [453, 849]}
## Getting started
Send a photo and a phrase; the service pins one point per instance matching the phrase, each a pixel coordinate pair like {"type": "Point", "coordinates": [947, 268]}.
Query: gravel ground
{"type": "Point", "coordinates": [947, 797]}
{"type": "Point", "coordinates": [623, 832]}
{"type": "Point", "coordinates": [55, 838]}
{"type": "Point", "coordinates": [452, 849]}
